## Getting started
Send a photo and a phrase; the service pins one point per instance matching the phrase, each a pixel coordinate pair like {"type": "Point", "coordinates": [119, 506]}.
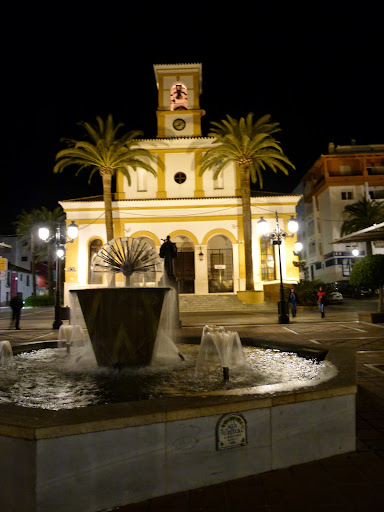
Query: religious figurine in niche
{"type": "Point", "coordinates": [168, 251]}
{"type": "Point", "coordinates": [179, 97]}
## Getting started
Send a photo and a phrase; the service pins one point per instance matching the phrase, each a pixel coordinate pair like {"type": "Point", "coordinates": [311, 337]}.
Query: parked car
{"type": "Point", "coordinates": [365, 292]}
{"type": "Point", "coordinates": [335, 298]}
{"type": "Point", "coordinates": [344, 288]}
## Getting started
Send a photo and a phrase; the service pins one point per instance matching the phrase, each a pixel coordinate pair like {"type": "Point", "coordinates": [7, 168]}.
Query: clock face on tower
{"type": "Point", "coordinates": [179, 124]}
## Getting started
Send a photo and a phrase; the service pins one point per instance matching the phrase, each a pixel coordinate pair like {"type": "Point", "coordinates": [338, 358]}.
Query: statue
{"type": "Point", "coordinates": [168, 251]}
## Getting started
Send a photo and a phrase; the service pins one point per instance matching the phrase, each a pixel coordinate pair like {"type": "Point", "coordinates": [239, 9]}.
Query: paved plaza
{"type": "Point", "coordinates": [349, 482]}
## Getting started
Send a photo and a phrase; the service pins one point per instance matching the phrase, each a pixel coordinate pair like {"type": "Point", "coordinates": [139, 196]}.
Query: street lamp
{"type": "Point", "coordinates": [59, 240]}
{"type": "Point", "coordinates": [277, 236]}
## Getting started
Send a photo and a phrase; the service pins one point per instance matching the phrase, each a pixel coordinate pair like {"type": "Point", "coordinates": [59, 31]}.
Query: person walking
{"type": "Point", "coordinates": [293, 300]}
{"type": "Point", "coordinates": [16, 306]}
{"type": "Point", "coordinates": [321, 300]}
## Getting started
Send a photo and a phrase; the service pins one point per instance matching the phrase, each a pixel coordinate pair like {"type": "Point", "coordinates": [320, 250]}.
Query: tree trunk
{"type": "Point", "coordinates": [247, 226]}
{"type": "Point", "coordinates": [380, 307]}
{"type": "Point", "coordinates": [33, 264]}
{"type": "Point", "coordinates": [106, 175]}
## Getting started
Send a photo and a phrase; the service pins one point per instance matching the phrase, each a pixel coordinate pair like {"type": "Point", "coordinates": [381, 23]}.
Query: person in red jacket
{"type": "Point", "coordinates": [321, 300]}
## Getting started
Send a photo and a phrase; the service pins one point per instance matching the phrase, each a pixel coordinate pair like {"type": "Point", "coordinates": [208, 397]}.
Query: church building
{"type": "Point", "coordinates": [201, 215]}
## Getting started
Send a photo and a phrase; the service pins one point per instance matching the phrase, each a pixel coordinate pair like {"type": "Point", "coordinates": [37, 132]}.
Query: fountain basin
{"type": "Point", "coordinates": [94, 458]}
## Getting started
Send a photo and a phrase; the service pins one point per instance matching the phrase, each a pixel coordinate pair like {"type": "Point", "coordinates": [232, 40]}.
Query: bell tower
{"type": "Point", "coordinates": [179, 88]}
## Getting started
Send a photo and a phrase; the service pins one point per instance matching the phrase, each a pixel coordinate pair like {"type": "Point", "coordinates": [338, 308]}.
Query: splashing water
{"type": "Point", "coordinates": [6, 354]}
{"type": "Point", "coordinates": [54, 379]}
{"type": "Point", "coordinates": [219, 346]}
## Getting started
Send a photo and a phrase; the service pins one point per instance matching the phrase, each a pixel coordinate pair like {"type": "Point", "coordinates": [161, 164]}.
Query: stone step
{"type": "Point", "coordinates": [208, 303]}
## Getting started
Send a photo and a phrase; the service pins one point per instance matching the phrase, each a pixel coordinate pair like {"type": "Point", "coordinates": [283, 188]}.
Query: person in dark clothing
{"type": "Point", "coordinates": [16, 306]}
{"type": "Point", "coordinates": [293, 300]}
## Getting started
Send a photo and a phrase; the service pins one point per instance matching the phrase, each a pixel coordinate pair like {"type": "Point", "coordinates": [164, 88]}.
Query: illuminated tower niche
{"type": "Point", "coordinates": [179, 88]}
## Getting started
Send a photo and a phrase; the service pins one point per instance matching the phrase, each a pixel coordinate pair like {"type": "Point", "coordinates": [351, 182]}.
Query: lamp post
{"type": "Point", "coordinates": [59, 240]}
{"type": "Point", "coordinates": [277, 235]}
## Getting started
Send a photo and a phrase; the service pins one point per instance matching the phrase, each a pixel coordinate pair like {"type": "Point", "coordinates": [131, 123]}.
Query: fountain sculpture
{"type": "Point", "coordinates": [123, 322]}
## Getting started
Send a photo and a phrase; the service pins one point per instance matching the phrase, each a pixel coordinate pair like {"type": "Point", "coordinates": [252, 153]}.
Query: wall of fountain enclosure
{"type": "Point", "coordinates": [94, 458]}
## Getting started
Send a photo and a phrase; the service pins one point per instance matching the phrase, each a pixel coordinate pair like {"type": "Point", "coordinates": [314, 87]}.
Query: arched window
{"type": "Point", "coordinates": [267, 260]}
{"type": "Point", "coordinates": [178, 97]}
{"type": "Point", "coordinates": [220, 264]}
{"type": "Point", "coordinates": [94, 246]}
{"type": "Point", "coordinates": [142, 180]}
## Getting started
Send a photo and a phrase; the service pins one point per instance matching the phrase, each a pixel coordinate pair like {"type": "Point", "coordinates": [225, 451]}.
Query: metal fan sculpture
{"type": "Point", "coordinates": [127, 256]}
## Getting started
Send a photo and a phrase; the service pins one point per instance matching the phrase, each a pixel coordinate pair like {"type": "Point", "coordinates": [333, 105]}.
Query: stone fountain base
{"type": "Point", "coordinates": [122, 323]}
{"type": "Point", "coordinates": [99, 457]}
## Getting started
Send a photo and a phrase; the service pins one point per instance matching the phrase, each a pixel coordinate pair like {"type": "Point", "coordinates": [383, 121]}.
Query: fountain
{"type": "Point", "coordinates": [71, 335]}
{"type": "Point", "coordinates": [124, 335]}
{"type": "Point", "coordinates": [6, 354]}
{"type": "Point", "coordinates": [217, 344]}
{"type": "Point", "coordinates": [173, 437]}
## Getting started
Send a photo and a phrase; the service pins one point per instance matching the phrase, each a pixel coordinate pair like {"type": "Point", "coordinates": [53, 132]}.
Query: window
{"type": "Point", "coordinates": [218, 183]}
{"type": "Point", "coordinates": [28, 279]}
{"type": "Point", "coordinates": [346, 196]}
{"type": "Point", "coordinates": [141, 180]}
{"type": "Point", "coordinates": [376, 194]}
{"type": "Point", "coordinates": [93, 248]}
{"type": "Point", "coordinates": [310, 228]}
{"type": "Point", "coordinates": [312, 248]}
{"type": "Point", "coordinates": [345, 169]}
{"type": "Point", "coordinates": [24, 258]}
{"type": "Point", "coordinates": [180, 177]}
{"type": "Point", "coordinates": [267, 259]}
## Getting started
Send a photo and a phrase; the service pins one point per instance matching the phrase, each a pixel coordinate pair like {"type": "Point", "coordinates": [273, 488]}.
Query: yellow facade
{"type": "Point", "coordinates": [201, 215]}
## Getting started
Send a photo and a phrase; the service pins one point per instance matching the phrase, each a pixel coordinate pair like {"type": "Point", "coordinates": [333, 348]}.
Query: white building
{"type": "Point", "coordinates": [344, 176]}
{"type": "Point", "coordinates": [202, 216]}
{"type": "Point", "coordinates": [15, 275]}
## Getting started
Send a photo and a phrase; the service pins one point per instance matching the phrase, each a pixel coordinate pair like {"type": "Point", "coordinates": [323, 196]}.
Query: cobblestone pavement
{"type": "Point", "coordinates": [351, 482]}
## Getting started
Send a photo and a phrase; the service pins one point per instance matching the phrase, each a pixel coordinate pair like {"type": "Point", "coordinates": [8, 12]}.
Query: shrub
{"type": "Point", "coordinates": [369, 271]}
{"type": "Point", "coordinates": [40, 300]}
{"type": "Point", "coordinates": [307, 291]}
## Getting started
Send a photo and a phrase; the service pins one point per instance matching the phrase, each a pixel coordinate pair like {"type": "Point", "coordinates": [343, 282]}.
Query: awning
{"type": "Point", "coordinates": [371, 234]}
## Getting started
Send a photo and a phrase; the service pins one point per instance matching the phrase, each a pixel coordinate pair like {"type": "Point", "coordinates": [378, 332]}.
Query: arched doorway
{"type": "Point", "coordinates": [144, 278]}
{"type": "Point", "coordinates": [184, 264]}
{"type": "Point", "coordinates": [93, 248]}
{"type": "Point", "coordinates": [220, 264]}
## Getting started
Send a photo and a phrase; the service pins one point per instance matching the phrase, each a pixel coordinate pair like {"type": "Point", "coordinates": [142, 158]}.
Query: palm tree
{"type": "Point", "coordinates": [361, 215]}
{"type": "Point", "coordinates": [27, 224]}
{"type": "Point", "coordinates": [106, 154]}
{"type": "Point", "coordinates": [250, 145]}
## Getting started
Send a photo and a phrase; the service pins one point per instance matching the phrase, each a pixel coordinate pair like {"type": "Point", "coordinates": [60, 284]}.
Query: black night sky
{"type": "Point", "coordinates": [318, 72]}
